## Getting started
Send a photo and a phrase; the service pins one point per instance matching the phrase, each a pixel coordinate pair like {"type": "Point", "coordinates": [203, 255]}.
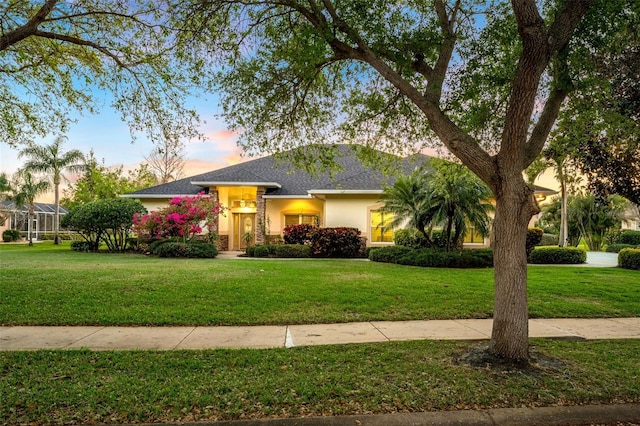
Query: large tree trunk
{"type": "Point", "coordinates": [515, 206]}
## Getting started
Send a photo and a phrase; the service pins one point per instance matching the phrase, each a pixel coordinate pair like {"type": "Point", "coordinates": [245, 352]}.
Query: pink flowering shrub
{"type": "Point", "coordinates": [183, 218]}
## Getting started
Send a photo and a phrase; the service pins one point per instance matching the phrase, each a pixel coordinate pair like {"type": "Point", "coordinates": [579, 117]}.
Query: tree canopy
{"type": "Point", "coordinates": [59, 56]}
{"type": "Point", "coordinates": [486, 80]}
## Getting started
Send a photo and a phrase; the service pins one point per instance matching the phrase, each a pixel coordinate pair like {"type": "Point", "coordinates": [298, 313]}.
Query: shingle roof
{"type": "Point", "coordinates": [354, 176]}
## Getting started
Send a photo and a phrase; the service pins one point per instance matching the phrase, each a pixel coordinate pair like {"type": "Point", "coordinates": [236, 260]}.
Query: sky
{"type": "Point", "coordinates": [112, 144]}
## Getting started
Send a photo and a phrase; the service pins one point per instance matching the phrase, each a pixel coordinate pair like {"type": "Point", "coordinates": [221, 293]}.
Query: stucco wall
{"type": "Point", "coordinates": [349, 210]}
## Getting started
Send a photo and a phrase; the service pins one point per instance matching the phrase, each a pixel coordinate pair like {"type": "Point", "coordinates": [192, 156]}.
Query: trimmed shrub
{"type": "Point", "coordinates": [291, 250]}
{"type": "Point", "coordinates": [410, 238]}
{"type": "Point", "coordinates": [10, 235]}
{"type": "Point", "coordinates": [629, 258]}
{"type": "Point", "coordinates": [335, 242]}
{"type": "Point", "coordinates": [558, 255]}
{"type": "Point", "coordinates": [202, 250]}
{"type": "Point", "coordinates": [190, 250]}
{"type": "Point", "coordinates": [549, 240]}
{"type": "Point", "coordinates": [83, 246]}
{"type": "Point", "coordinates": [472, 258]}
{"type": "Point", "coordinates": [250, 250]}
{"type": "Point", "coordinates": [534, 236]}
{"type": "Point", "coordinates": [261, 251]}
{"type": "Point", "coordinates": [629, 237]}
{"type": "Point", "coordinates": [154, 245]}
{"type": "Point", "coordinates": [389, 254]}
{"type": "Point", "coordinates": [615, 248]}
{"type": "Point", "coordinates": [297, 234]}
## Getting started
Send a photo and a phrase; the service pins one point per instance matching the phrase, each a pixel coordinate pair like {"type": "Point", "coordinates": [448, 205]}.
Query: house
{"type": "Point", "coordinates": [264, 195]}
{"type": "Point", "coordinates": [12, 217]}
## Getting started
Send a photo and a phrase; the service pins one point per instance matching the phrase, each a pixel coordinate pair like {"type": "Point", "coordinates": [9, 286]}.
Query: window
{"type": "Point", "coordinates": [473, 237]}
{"type": "Point", "coordinates": [300, 219]}
{"type": "Point", "coordinates": [381, 230]}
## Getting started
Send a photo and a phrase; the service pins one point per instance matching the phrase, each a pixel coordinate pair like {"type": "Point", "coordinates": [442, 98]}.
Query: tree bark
{"type": "Point", "coordinates": [564, 225]}
{"type": "Point", "coordinates": [515, 205]}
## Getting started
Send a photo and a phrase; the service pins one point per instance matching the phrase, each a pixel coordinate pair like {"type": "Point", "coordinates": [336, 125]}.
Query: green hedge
{"type": "Point", "coordinates": [189, 250]}
{"type": "Point", "coordinates": [471, 258]}
{"type": "Point", "coordinates": [629, 258]}
{"type": "Point", "coordinates": [280, 250]}
{"type": "Point", "coordinates": [558, 255]}
{"type": "Point", "coordinates": [615, 248]}
{"type": "Point", "coordinates": [534, 237]}
{"type": "Point", "coordinates": [83, 246]}
{"type": "Point", "coordinates": [389, 254]}
{"type": "Point", "coordinates": [410, 238]}
{"type": "Point", "coordinates": [10, 235]}
{"type": "Point", "coordinates": [629, 237]}
{"type": "Point", "coordinates": [292, 250]}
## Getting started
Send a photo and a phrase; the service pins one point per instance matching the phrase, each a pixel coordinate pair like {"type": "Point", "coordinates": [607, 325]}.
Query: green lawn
{"type": "Point", "coordinates": [65, 387]}
{"type": "Point", "coordinates": [53, 285]}
{"type": "Point", "coordinates": [49, 285]}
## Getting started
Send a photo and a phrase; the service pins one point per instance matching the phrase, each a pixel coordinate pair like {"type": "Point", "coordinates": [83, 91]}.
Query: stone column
{"type": "Point", "coordinates": [213, 193]}
{"type": "Point", "coordinates": [261, 215]}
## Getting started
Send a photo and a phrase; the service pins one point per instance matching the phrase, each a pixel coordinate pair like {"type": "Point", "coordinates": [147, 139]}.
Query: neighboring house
{"type": "Point", "coordinates": [12, 217]}
{"type": "Point", "coordinates": [631, 218]}
{"type": "Point", "coordinates": [264, 196]}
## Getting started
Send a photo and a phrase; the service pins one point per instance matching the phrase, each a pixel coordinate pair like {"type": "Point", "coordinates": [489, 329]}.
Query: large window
{"type": "Point", "coordinates": [381, 230]}
{"type": "Point", "coordinates": [299, 219]}
{"type": "Point", "coordinates": [472, 236]}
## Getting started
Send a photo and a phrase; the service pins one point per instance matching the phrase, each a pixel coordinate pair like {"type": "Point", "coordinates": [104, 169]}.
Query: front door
{"type": "Point", "coordinates": [244, 230]}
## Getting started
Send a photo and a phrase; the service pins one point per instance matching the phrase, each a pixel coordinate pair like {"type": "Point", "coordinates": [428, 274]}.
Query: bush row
{"type": "Point", "coordinates": [10, 235]}
{"type": "Point", "coordinates": [557, 255]}
{"type": "Point", "coordinates": [534, 237]}
{"type": "Point", "coordinates": [629, 258]}
{"type": "Point", "coordinates": [615, 248]}
{"type": "Point", "coordinates": [472, 258]}
{"type": "Point", "coordinates": [84, 246]}
{"type": "Point", "coordinates": [415, 239]}
{"type": "Point", "coordinates": [627, 237]}
{"type": "Point", "coordinates": [280, 250]}
{"type": "Point", "coordinates": [170, 247]}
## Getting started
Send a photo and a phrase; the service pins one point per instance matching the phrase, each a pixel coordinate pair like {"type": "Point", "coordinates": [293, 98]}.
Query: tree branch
{"type": "Point", "coordinates": [28, 29]}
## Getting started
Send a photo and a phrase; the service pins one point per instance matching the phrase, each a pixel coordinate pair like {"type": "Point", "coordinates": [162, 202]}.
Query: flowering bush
{"type": "Point", "coordinates": [297, 234]}
{"type": "Point", "coordinates": [184, 218]}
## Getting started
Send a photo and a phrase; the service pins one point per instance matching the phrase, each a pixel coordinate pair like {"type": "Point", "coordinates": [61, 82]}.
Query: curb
{"type": "Point", "coordinates": [615, 414]}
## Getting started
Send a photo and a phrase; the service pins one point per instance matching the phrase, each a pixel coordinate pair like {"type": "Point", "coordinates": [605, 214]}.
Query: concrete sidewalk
{"type": "Point", "coordinates": [168, 338]}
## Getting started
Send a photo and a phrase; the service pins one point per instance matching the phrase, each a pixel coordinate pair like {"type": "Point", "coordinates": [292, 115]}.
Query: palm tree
{"type": "Point", "coordinates": [51, 160]}
{"type": "Point", "coordinates": [457, 198]}
{"type": "Point", "coordinates": [406, 200]}
{"type": "Point", "coordinates": [26, 189]}
{"type": "Point", "coordinates": [449, 195]}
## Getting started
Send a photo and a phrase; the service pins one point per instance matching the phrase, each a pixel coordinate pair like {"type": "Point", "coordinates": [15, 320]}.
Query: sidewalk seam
{"type": "Point", "coordinates": [84, 337]}
{"type": "Point", "coordinates": [380, 331]}
{"type": "Point", "coordinates": [184, 338]}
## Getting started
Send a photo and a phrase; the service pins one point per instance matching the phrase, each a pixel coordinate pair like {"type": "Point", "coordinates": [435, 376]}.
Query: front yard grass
{"type": "Point", "coordinates": [72, 387]}
{"type": "Point", "coordinates": [51, 285]}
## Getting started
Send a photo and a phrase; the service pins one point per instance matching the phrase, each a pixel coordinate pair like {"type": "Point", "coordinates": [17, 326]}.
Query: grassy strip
{"type": "Point", "coordinates": [85, 387]}
{"type": "Point", "coordinates": [49, 285]}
